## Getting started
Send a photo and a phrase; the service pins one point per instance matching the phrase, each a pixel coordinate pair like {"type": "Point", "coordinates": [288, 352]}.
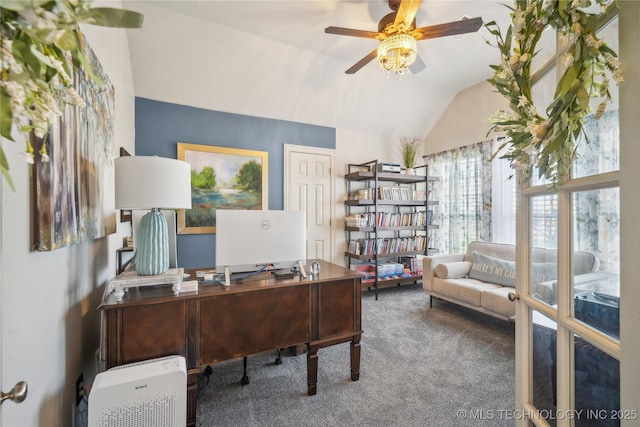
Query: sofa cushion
{"type": "Point", "coordinates": [465, 290]}
{"type": "Point", "coordinates": [497, 301]}
{"type": "Point", "coordinates": [453, 270]}
{"type": "Point", "coordinates": [583, 262]}
{"type": "Point", "coordinates": [496, 250]}
{"type": "Point", "coordinates": [493, 270]}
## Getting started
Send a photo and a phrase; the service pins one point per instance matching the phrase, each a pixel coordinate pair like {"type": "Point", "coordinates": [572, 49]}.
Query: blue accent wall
{"type": "Point", "coordinates": [161, 125]}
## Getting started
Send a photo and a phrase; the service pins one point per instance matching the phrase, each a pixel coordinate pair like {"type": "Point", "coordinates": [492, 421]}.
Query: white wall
{"type": "Point", "coordinates": [189, 61]}
{"type": "Point", "coordinates": [356, 147]}
{"type": "Point", "coordinates": [50, 324]}
{"type": "Point", "coordinates": [465, 121]}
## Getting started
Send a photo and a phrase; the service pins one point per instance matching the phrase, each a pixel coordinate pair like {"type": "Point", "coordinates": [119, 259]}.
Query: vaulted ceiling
{"type": "Point", "coordinates": [273, 59]}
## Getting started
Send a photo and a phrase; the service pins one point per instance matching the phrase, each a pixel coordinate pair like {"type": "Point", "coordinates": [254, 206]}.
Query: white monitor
{"type": "Point", "coordinates": [247, 240]}
{"type": "Point", "coordinates": [170, 215]}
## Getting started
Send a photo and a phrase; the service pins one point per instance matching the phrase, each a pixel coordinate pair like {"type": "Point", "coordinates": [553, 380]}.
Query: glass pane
{"type": "Point", "coordinates": [544, 256]}
{"type": "Point", "coordinates": [546, 48]}
{"type": "Point", "coordinates": [596, 261]}
{"type": "Point", "coordinates": [597, 386]}
{"type": "Point", "coordinates": [598, 146]}
{"type": "Point", "coordinates": [544, 345]}
{"type": "Point", "coordinates": [544, 221]}
{"type": "Point", "coordinates": [542, 95]}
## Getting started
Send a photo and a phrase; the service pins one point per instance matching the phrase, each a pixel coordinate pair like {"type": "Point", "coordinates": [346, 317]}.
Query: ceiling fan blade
{"type": "Point", "coordinates": [417, 66]}
{"type": "Point", "coordinates": [351, 32]}
{"type": "Point", "coordinates": [407, 13]}
{"type": "Point", "coordinates": [449, 29]}
{"type": "Point", "coordinates": [364, 61]}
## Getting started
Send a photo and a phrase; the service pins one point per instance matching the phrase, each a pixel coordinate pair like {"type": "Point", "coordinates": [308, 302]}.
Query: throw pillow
{"type": "Point", "coordinates": [544, 271]}
{"type": "Point", "coordinates": [453, 270]}
{"type": "Point", "coordinates": [503, 272]}
{"type": "Point", "coordinates": [493, 270]}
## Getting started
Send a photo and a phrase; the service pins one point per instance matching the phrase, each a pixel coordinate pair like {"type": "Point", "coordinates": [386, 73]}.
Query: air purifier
{"type": "Point", "coordinates": [149, 393]}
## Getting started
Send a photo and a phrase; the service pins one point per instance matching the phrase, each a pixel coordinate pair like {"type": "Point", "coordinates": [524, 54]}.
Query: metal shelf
{"type": "Point", "coordinates": [368, 174]}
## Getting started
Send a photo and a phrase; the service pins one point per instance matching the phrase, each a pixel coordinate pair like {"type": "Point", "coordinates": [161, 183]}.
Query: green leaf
{"type": "Point", "coordinates": [606, 49]}
{"type": "Point", "coordinates": [583, 98]}
{"type": "Point", "coordinates": [562, 6]}
{"type": "Point", "coordinates": [87, 68]}
{"type": "Point", "coordinates": [6, 115]}
{"type": "Point", "coordinates": [507, 43]}
{"type": "Point", "coordinates": [18, 5]}
{"type": "Point", "coordinates": [22, 52]}
{"type": "Point", "coordinates": [566, 80]}
{"type": "Point", "coordinates": [110, 17]}
{"type": "Point", "coordinates": [67, 40]}
{"type": "Point", "coordinates": [4, 166]}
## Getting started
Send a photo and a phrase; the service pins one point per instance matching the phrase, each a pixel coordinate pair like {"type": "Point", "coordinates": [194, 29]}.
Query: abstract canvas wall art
{"type": "Point", "coordinates": [74, 190]}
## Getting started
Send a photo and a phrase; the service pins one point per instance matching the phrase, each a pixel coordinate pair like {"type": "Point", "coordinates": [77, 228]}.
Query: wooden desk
{"type": "Point", "coordinates": [219, 323]}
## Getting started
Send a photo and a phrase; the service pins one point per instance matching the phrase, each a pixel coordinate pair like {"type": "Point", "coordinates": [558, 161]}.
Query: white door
{"type": "Point", "coordinates": [308, 186]}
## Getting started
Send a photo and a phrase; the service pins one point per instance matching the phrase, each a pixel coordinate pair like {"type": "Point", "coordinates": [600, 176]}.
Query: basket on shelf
{"type": "Point", "coordinates": [356, 220]}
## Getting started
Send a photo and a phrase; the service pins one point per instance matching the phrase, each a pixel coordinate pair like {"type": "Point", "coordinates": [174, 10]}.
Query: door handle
{"type": "Point", "coordinates": [513, 296]}
{"type": "Point", "coordinates": [18, 393]}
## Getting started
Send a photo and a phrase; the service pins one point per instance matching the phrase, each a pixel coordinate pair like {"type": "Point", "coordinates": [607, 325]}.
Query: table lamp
{"type": "Point", "coordinates": [145, 182]}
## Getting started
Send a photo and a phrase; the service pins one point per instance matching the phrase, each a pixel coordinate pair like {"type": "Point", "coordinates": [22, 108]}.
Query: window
{"type": "Point", "coordinates": [464, 193]}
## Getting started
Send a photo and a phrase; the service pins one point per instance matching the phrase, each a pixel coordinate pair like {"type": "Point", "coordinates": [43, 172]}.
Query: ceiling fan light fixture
{"type": "Point", "coordinates": [397, 52]}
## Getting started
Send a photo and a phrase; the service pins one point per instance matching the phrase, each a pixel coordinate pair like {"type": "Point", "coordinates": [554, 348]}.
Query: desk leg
{"type": "Point", "coordinates": [312, 369]}
{"type": "Point", "coordinates": [192, 395]}
{"type": "Point", "coordinates": [355, 358]}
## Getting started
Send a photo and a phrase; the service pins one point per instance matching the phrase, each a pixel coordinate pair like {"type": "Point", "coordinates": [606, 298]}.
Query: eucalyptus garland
{"type": "Point", "coordinates": [40, 49]}
{"type": "Point", "coordinates": [548, 142]}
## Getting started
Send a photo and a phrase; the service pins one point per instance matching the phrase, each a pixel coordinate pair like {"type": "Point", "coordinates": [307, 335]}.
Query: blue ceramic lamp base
{"type": "Point", "coordinates": [152, 255]}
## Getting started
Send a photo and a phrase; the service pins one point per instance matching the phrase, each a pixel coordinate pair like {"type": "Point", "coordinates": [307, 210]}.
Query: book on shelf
{"type": "Point", "coordinates": [393, 219]}
{"type": "Point", "coordinates": [389, 193]}
{"type": "Point", "coordinates": [384, 245]}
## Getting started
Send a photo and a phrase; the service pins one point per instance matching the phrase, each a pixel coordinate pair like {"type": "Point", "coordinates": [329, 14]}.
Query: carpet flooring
{"type": "Point", "coordinates": [420, 366]}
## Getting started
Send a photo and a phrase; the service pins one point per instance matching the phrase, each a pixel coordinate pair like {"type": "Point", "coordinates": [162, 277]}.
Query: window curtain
{"type": "Point", "coordinates": [597, 213]}
{"type": "Point", "coordinates": [464, 194]}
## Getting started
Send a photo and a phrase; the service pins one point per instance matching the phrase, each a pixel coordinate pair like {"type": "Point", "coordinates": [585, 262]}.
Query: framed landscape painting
{"type": "Point", "coordinates": [221, 178]}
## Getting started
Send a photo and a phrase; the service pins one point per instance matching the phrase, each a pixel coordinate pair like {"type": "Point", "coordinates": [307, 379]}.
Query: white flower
{"type": "Point", "coordinates": [575, 17]}
{"type": "Point", "coordinates": [538, 130]}
{"type": "Point", "coordinates": [522, 101]}
{"type": "Point", "coordinates": [28, 157]}
{"type": "Point", "coordinates": [8, 60]}
{"type": "Point", "coordinates": [576, 29]}
{"type": "Point", "coordinates": [15, 91]}
{"type": "Point", "coordinates": [43, 154]}
{"type": "Point", "coordinates": [592, 41]}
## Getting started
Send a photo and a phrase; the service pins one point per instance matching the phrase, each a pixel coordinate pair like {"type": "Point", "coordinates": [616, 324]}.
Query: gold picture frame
{"type": "Point", "coordinates": [221, 178]}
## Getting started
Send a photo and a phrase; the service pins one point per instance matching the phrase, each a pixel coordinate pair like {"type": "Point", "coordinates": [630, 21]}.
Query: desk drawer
{"type": "Point", "coordinates": [245, 323]}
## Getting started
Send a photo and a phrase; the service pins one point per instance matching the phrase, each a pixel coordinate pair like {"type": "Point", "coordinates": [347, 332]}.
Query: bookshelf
{"type": "Point", "coordinates": [388, 223]}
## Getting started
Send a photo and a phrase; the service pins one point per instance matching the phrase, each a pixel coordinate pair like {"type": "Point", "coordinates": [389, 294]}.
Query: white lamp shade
{"type": "Point", "coordinates": [146, 182]}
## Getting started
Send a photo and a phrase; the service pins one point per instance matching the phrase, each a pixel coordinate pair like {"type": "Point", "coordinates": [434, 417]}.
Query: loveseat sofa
{"type": "Point", "coordinates": [483, 276]}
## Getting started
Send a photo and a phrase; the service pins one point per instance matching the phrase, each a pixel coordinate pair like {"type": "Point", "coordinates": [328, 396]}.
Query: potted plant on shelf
{"type": "Point", "coordinates": [409, 151]}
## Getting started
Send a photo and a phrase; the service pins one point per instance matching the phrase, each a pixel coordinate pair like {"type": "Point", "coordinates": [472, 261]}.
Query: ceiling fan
{"type": "Point", "coordinates": [398, 34]}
